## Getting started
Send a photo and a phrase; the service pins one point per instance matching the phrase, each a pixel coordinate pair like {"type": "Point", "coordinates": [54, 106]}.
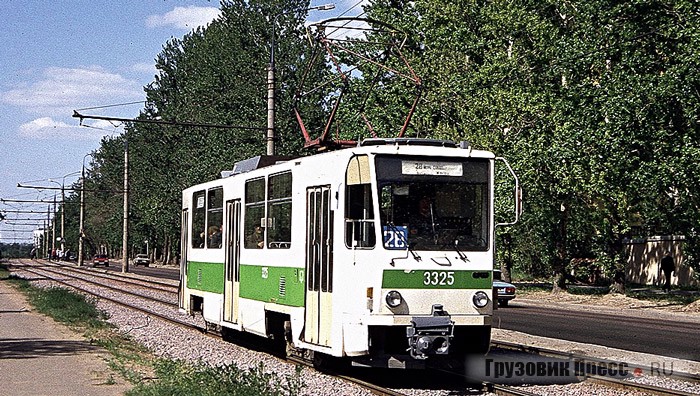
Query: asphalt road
{"type": "Point", "coordinates": [658, 337]}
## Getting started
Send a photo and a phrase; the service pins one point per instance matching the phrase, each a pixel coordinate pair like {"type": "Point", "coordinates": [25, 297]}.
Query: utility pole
{"type": "Point", "coordinates": [46, 234]}
{"type": "Point", "coordinates": [63, 218]}
{"type": "Point", "coordinates": [271, 79]}
{"type": "Point", "coordinates": [82, 213]}
{"type": "Point", "coordinates": [53, 227]}
{"type": "Point", "coordinates": [82, 219]}
{"type": "Point", "coordinates": [125, 240]}
{"type": "Point", "coordinates": [271, 98]}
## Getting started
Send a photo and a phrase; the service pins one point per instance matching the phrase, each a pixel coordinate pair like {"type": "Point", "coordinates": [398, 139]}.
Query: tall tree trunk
{"type": "Point", "coordinates": [166, 249]}
{"type": "Point", "coordinates": [559, 276]}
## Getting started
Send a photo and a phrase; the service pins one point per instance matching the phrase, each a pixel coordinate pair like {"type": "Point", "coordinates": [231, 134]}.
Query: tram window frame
{"type": "Point", "coordinates": [279, 210]}
{"type": "Point", "coordinates": [199, 215]}
{"type": "Point", "coordinates": [254, 212]}
{"type": "Point", "coordinates": [360, 219]}
{"type": "Point", "coordinates": [215, 217]}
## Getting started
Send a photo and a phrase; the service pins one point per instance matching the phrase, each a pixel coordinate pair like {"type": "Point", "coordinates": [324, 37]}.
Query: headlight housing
{"type": "Point", "coordinates": [480, 299]}
{"type": "Point", "coordinates": [393, 299]}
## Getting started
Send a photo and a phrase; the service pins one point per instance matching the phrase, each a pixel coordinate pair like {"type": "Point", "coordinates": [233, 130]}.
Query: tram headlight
{"type": "Point", "coordinates": [394, 299]}
{"type": "Point", "coordinates": [480, 299]}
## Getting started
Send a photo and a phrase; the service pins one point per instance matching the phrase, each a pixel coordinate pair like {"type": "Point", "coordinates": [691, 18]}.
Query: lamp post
{"type": "Point", "coordinates": [271, 79]}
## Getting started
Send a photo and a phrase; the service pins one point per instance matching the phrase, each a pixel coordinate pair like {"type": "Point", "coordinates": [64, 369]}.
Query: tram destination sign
{"type": "Point", "coordinates": [431, 168]}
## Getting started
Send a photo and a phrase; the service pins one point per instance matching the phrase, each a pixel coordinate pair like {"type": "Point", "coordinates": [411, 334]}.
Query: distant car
{"type": "Point", "coordinates": [100, 259]}
{"type": "Point", "coordinates": [142, 259]}
{"type": "Point", "coordinates": [504, 290]}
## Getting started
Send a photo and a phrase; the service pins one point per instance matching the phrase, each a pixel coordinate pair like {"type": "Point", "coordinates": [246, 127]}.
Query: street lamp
{"type": "Point", "coordinates": [271, 79]}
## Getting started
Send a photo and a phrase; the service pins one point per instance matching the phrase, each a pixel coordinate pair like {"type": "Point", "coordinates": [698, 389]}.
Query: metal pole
{"type": "Point", "coordinates": [46, 234]}
{"type": "Point", "coordinates": [63, 216]}
{"type": "Point", "coordinates": [125, 240]}
{"type": "Point", "coordinates": [271, 79]}
{"type": "Point", "coordinates": [82, 213]}
{"type": "Point", "coordinates": [271, 103]}
{"type": "Point", "coordinates": [53, 227]}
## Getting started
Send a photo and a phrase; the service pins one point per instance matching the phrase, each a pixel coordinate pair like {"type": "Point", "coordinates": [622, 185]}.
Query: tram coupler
{"type": "Point", "coordinates": [430, 335]}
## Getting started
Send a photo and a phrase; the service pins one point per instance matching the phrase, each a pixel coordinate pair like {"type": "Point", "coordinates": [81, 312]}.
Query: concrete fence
{"type": "Point", "coordinates": [644, 258]}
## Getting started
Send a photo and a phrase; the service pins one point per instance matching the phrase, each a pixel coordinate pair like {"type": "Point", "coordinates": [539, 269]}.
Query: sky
{"type": "Point", "coordinates": [59, 56]}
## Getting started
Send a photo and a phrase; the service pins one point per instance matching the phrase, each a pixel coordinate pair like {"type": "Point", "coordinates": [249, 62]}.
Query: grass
{"type": "Point", "coordinates": [671, 298]}
{"type": "Point", "coordinates": [178, 378]}
{"type": "Point", "coordinates": [150, 375]}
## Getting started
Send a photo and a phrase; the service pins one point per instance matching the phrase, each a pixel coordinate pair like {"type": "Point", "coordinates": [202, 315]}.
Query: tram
{"type": "Point", "coordinates": [380, 254]}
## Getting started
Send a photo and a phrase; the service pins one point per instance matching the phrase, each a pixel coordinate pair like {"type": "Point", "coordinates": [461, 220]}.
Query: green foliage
{"type": "Point", "coordinates": [14, 250]}
{"type": "Point", "coordinates": [594, 103]}
{"type": "Point", "coordinates": [180, 378]}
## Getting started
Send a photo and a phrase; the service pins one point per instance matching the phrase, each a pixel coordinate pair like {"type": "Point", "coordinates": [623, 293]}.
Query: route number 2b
{"type": "Point", "coordinates": [438, 278]}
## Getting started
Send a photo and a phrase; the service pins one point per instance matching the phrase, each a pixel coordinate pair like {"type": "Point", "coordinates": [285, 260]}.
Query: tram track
{"type": "Point", "coordinates": [58, 276]}
{"type": "Point", "coordinates": [378, 390]}
{"type": "Point", "coordinates": [624, 383]}
{"type": "Point", "coordinates": [67, 272]}
{"type": "Point", "coordinates": [127, 279]}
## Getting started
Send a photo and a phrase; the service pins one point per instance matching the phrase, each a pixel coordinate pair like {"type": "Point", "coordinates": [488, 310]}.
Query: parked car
{"type": "Point", "coordinates": [100, 259]}
{"type": "Point", "coordinates": [142, 259]}
{"type": "Point", "coordinates": [504, 291]}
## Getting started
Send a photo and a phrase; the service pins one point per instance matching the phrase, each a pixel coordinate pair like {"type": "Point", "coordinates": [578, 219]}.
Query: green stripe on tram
{"type": "Point", "coordinates": [436, 279]}
{"type": "Point", "coordinates": [281, 285]}
{"type": "Point", "coordinates": [204, 276]}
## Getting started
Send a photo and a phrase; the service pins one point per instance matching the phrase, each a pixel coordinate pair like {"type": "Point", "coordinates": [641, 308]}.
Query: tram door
{"type": "Point", "coordinates": [319, 266]}
{"type": "Point", "coordinates": [183, 256]}
{"type": "Point", "coordinates": [232, 263]}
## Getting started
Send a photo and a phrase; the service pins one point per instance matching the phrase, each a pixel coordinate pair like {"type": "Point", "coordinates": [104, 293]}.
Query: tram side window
{"type": "Point", "coordinates": [255, 224]}
{"type": "Point", "coordinates": [199, 213]}
{"type": "Point", "coordinates": [359, 210]}
{"type": "Point", "coordinates": [279, 211]}
{"type": "Point", "coordinates": [215, 217]}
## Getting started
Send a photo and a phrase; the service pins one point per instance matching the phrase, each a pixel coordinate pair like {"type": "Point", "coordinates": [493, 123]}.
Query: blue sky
{"type": "Point", "coordinates": [57, 56]}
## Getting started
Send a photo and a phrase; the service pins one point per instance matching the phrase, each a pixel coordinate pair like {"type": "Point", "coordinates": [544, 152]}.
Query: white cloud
{"type": "Point", "coordinates": [186, 18]}
{"type": "Point", "coordinates": [145, 67]}
{"type": "Point", "coordinates": [61, 90]}
{"type": "Point", "coordinates": [46, 128]}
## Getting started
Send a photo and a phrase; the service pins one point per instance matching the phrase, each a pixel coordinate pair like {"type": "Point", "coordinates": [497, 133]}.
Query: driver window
{"type": "Point", "coordinates": [359, 209]}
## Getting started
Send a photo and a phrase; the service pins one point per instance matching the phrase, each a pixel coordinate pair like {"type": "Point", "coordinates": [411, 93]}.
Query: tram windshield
{"type": "Point", "coordinates": [434, 204]}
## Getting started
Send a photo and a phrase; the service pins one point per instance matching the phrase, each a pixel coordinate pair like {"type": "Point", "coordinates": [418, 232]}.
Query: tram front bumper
{"type": "Point", "coordinates": [430, 335]}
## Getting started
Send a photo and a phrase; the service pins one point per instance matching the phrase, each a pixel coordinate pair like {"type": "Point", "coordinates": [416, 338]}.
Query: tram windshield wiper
{"type": "Point", "coordinates": [409, 246]}
{"type": "Point", "coordinates": [461, 254]}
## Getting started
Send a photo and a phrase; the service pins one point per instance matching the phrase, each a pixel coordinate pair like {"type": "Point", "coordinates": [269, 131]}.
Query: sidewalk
{"type": "Point", "coordinates": [41, 357]}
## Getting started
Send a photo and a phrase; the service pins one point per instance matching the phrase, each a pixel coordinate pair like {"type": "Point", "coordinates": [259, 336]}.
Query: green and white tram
{"type": "Point", "coordinates": [381, 253]}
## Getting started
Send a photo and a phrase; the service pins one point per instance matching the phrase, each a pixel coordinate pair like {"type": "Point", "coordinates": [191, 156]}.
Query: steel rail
{"type": "Point", "coordinates": [612, 382]}
{"type": "Point", "coordinates": [113, 288]}
{"type": "Point", "coordinates": [378, 390]}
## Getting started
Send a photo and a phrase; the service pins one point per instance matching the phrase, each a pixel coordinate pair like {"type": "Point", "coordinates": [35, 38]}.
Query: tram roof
{"type": "Point", "coordinates": [407, 146]}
